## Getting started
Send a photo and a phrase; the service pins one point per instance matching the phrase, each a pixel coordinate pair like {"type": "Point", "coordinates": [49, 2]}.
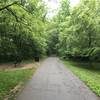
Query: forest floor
{"type": "Point", "coordinates": [22, 65]}
{"type": "Point", "coordinates": [13, 79]}
{"type": "Point", "coordinates": [53, 81]}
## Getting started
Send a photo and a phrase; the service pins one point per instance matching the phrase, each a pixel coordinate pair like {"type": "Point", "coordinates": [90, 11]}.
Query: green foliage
{"type": "Point", "coordinates": [25, 31]}
{"type": "Point", "coordinates": [52, 39]}
{"type": "Point", "coordinates": [86, 74]}
{"type": "Point", "coordinates": [78, 29]}
{"type": "Point", "coordinates": [95, 54]}
{"type": "Point", "coordinates": [22, 29]}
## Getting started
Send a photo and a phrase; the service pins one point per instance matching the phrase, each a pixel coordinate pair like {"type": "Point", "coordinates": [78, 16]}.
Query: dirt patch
{"type": "Point", "coordinates": [24, 65]}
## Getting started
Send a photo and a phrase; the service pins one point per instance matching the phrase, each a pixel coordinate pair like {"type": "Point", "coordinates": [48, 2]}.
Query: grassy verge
{"type": "Point", "coordinates": [11, 82]}
{"type": "Point", "coordinates": [86, 73]}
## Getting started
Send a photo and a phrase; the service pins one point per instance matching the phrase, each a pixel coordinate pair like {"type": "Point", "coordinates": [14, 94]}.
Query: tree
{"type": "Point", "coordinates": [78, 29]}
{"type": "Point", "coordinates": [22, 29]}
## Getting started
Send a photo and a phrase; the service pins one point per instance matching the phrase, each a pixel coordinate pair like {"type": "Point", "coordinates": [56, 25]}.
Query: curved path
{"type": "Point", "coordinates": [53, 81]}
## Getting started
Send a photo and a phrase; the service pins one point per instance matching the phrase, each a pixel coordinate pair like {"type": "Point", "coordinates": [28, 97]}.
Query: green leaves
{"type": "Point", "coordinates": [72, 30]}
{"type": "Point", "coordinates": [23, 23]}
{"type": "Point", "coordinates": [79, 30]}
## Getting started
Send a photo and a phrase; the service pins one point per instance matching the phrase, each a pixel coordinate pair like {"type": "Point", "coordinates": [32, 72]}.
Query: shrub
{"type": "Point", "coordinates": [95, 54]}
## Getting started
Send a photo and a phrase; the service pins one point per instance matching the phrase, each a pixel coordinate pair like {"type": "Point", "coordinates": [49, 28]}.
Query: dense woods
{"type": "Point", "coordinates": [78, 30]}
{"type": "Point", "coordinates": [25, 30]}
{"type": "Point", "coordinates": [22, 29]}
{"type": "Point", "coordinates": [29, 32]}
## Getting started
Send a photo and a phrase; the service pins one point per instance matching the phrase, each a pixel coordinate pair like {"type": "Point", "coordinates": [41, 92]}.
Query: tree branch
{"type": "Point", "coordinates": [8, 5]}
{"type": "Point", "coordinates": [13, 13]}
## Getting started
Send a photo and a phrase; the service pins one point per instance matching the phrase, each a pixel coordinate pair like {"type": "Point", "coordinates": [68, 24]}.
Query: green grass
{"type": "Point", "coordinates": [89, 74]}
{"type": "Point", "coordinates": [10, 79]}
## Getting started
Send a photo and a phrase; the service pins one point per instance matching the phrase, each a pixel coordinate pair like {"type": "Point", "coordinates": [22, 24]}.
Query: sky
{"type": "Point", "coordinates": [53, 5]}
{"type": "Point", "coordinates": [74, 2]}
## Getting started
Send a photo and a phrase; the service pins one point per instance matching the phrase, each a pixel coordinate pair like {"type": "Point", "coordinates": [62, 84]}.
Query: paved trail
{"type": "Point", "coordinates": [53, 81]}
